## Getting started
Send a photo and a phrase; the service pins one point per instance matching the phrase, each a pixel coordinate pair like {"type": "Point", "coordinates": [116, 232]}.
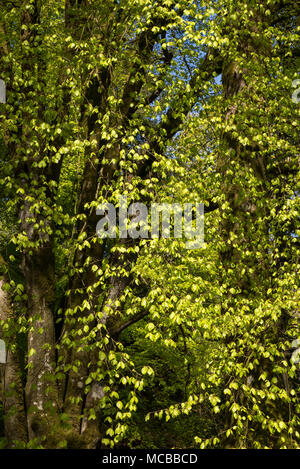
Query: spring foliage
{"type": "Point", "coordinates": [161, 101]}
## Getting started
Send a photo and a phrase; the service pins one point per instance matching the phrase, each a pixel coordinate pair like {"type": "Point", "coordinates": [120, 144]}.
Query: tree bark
{"type": "Point", "coordinates": [15, 426]}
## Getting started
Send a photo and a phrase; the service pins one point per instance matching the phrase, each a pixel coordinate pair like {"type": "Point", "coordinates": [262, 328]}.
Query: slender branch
{"type": "Point", "coordinates": [115, 333]}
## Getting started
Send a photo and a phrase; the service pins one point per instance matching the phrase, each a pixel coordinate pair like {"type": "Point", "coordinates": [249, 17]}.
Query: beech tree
{"type": "Point", "coordinates": [159, 101]}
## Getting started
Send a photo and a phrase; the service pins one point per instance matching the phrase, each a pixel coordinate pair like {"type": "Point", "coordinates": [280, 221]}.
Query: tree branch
{"type": "Point", "coordinates": [116, 332]}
